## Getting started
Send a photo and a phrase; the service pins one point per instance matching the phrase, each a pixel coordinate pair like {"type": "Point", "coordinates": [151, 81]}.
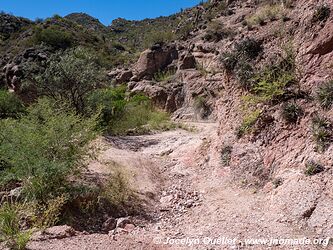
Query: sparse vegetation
{"type": "Point", "coordinates": [248, 122]}
{"type": "Point", "coordinates": [162, 76]}
{"type": "Point", "coordinates": [313, 168]}
{"type": "Point", "coordinates": [119, 194]}
{"type": "Point", "coordinates": [226, 155]}
{"type": "Point", "coordinates": [322, 132]}
{"type": "Point", "coordinates": [321, 14]}
{"type": "Point", "coordinates": [216, 32]}
{"type": "Point", "coordinates": [325, 95]}
{"type": "Point", "coordinates": [291, 112]}
{"type": "Point", "coordinates": [269, 12]}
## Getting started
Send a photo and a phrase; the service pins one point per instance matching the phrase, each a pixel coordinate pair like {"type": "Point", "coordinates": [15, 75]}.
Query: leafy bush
{"type": "Point", "coordinates": [291, 112]}
{"type": "Point", "coordinates": [325, 95]}
{"type": "Point", "coordinates": [109, 102]}
{"type": "Point", "coordinates": [42, 149]}
{"type": "Point", "coordinates": [245, 74]}
{"type": "Point", "coordinates": [229, 60]}
{"type": "Point", "coordinates": [322, 132]}
{"type": "Point", "coordinates": [10, 105]}
{"type": "Point", "coordinates": [271, 83]}
{"type": "Point", "coordinates": [321, 14]}
{"type": "Point", "coordinates": [54, 37]}
{"type": "Point", "coordinates": [248, 122]}
{"type": "Point", "coordinates": [245, 51]}
{"type": "Point", "coordinates": [249, 47]}
{"type": "Point", "coordinates": [312, 168]}
{"type": "Point", "coordinates": [70, 78]}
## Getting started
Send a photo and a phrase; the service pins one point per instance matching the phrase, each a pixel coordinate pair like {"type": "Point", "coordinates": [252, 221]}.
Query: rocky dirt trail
{"type": "Point", "coordinates": [191, 197]}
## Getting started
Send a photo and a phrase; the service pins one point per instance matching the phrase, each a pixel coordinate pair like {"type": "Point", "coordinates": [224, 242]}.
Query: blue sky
{"type": "Point", "coordinates": [104, 10]}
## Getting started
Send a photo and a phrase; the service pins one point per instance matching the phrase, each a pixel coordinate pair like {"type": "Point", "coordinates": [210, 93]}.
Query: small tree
{"type": "Point", "coordinates": [70, 77]}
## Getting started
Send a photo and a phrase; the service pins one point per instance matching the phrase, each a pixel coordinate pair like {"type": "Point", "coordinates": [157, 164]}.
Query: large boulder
{"type": "Point", "coordinates": [323, 44]}
{"type": "Point", "coordinates": [154, 59]}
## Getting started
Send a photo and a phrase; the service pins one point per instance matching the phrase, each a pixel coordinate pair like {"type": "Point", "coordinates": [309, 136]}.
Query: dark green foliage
{"type": "Point", "coordinates": [43, 148]}
{"type": "Point", "coordinates": [121, 114]}
{"type": "Point", "coordinates": [70, 77]}
{"type": "Point", "coordinates": [321, 14]}
{"type": "Point", "coordinates": [313, 168]}
{"type": "Point", "coordinates": [54, 36]}
{"type": "Point", "coordinates": [325, 95]}
{"type": "Point", "coordinates": [272, 82]}
{"type": "Point", "coordinates": [249, 47]}
{"type": "Point", "coordinates": [322, 132]}
{"type": "Point", "coordinates": [10, 105]}
{"type": "Point", "coordinates": [245, 73]}
{"type": "Point", "coordinates": [291, 112]}
{"type": "Point", "coordinates": [216, 32]}
{"type": "Point", "coordinates": [111, 102]}
{"type": "Point", "coordinates": [240, 58]}
{"type": "Point", "coordinates": [229, 60]}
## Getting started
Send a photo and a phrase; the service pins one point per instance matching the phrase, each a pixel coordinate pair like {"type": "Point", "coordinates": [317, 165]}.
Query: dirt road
{"type": "Point", "coordinates": [193, 198]}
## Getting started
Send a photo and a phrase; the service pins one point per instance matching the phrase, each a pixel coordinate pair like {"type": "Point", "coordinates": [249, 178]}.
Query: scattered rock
{"type": "Point", "coordinates": [121, 222]}
{"type": "Point", "coordinates": [57, 232]}
{"type": "Point", "coordinates": [109, 224]}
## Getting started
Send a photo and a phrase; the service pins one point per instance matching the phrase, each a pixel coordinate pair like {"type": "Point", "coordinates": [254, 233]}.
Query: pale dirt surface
{"type": "Point", "coordinates": [193, 196]}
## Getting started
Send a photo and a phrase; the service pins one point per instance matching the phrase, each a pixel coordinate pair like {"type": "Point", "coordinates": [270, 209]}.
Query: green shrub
{"type": "Point", "coordinates": [54, 36]}
{"type": "Point", "coordinates": [271, 83]}
{"type": "Point", "coordinates": [139, 116]}
{"type": "Point", "coordinates": [245, 73]}
{"type": "Point", "coordinates": [10, 105]}
{"type": "Point", "coordinates": [291, 112]}
{"type": "Point", "coordinates": [325, 95]}
{"type": "Point", "coordinates": [109, 102]}
{"type": "Point", "coordinates": [43, 148]}
{"type": "Point", "coordinates": [313, 168]}
{"type": "Point", "coordinates": [70, 77]}
{"type": "Point", "coordinates": [322, 132]}
{"type": "Point", "coordinates": [249, 47]}
{"type": "Point", "coordinates": [248, 122]}
{"type": "Point", "coordinates": [229, 60]}
{"type": "Point", "coordinates": [321, 14]}
{"type": "Point", "coordinates": [120, 195]}
{"type": "Point", "coordinates": [277, 182]}
{"type": "Point", "coordinates": [216, 32]}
